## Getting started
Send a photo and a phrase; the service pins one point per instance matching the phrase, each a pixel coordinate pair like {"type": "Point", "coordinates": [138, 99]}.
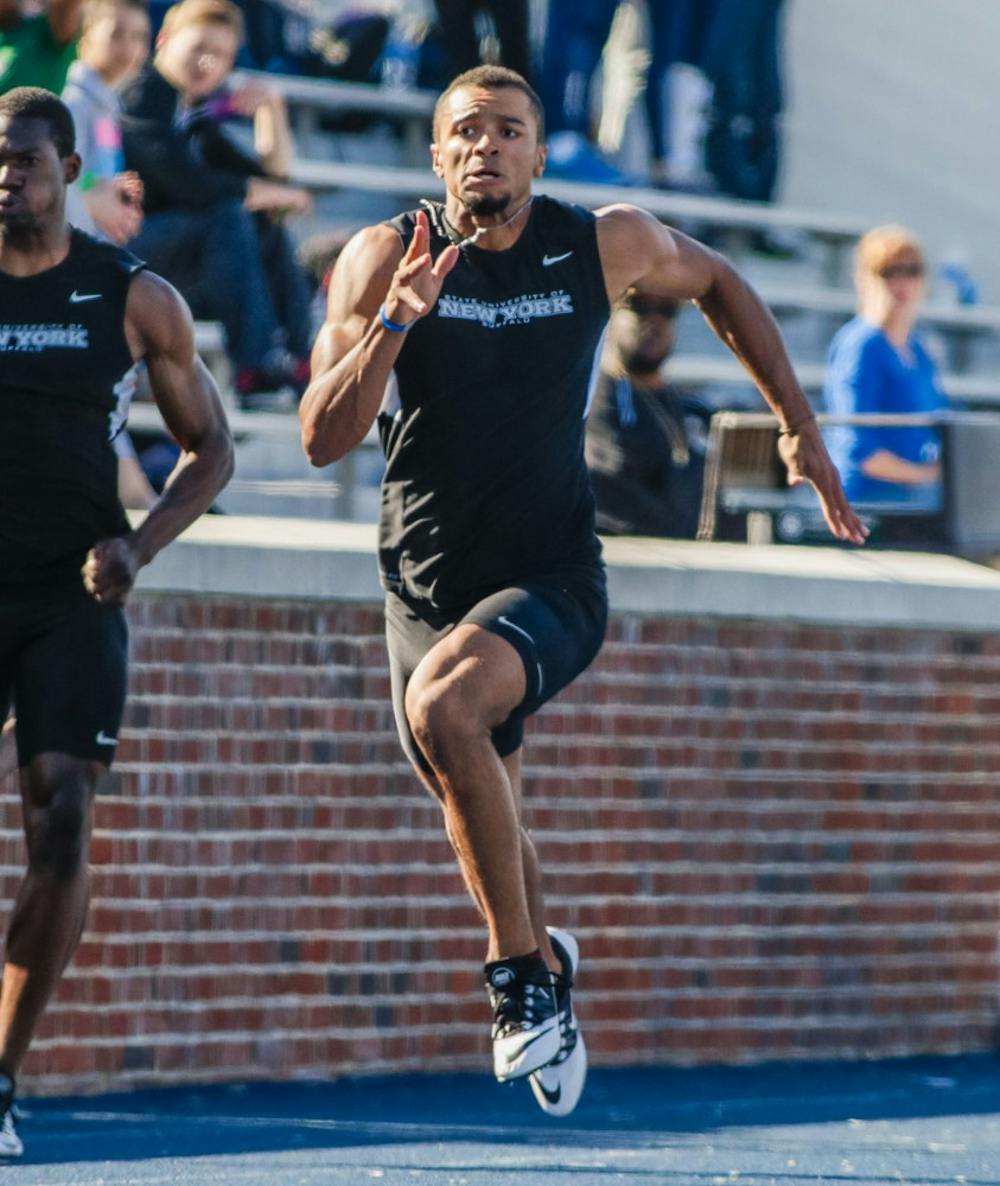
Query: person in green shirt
{"type": "Point", "coordinates": [37, 49]}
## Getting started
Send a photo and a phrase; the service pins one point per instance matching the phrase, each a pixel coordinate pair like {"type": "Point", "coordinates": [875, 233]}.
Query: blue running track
{"type": "Point", "coordinates": [928, 1121]}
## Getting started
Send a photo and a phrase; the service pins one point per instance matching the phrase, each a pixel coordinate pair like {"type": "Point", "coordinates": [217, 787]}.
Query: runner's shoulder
{"type": "Point", "coordinates": [367, 253]}
{"type": "Point", "coordinates": [363, 272]}
{"type": "Point", "coordinates": [90, 252]}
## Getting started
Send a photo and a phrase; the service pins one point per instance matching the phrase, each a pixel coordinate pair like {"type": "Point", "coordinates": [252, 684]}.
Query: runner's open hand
{"type": "Point", "coordinates": [110, 570]}
{"type": "Point", "coordinates": [417, 282]}
{"type": "Point", "coordinates": [805, 455]}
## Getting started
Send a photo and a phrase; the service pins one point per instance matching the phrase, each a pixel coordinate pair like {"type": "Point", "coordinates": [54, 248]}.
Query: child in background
{"type": "Point", "coordinates": [114, 44]}
{"type": "Point", "coordinates": [107, 201]}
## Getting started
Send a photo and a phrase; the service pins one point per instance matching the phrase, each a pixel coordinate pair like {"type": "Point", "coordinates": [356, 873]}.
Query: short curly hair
{"type": "Point", "coordinates": [493, 78]}
{"type": "Point", "coordinates": [32, 102]}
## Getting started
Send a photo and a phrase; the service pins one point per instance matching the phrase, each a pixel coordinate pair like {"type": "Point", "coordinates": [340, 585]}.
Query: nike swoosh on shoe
{"type": "Point", "coordinates": [512, 1059]}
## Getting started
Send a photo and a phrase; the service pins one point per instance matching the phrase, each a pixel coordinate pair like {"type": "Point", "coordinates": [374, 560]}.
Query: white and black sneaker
{"type": "Point", "coordinates": [559, 1085]}
{"type": "Point", "coordinates": [10, 1142]}
{"type": "Point", "coordinates": [525, 1024]}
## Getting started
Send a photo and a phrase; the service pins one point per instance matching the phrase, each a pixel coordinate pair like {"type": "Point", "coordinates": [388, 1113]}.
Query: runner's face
{"type": "Point", "coordinates": [487, 148]}
{"type": "Point", "coordinates": [33, 177]}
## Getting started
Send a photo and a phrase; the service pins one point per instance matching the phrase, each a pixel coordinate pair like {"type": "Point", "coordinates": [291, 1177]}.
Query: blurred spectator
{"type": "Point", "coordinates": [574, 40]}
{"type": "Point", "coordinates": [37, 43]}
{"type": "Point", "coordinates": [264, 44]}
{"type": "Point", "coordinates": [678, 33]}
{"type": "Point", "coordinates": [743, 63]}
{"type": "Point", "coordinates": [8, 748]}
{"type": "Point", "coordinates": [134, 487]}
{"type": "Point", "coordinates": [347, 47]}
{"type": "Point", "coordinates": [113, 46]}
{"type": "Point", "coordinates": [105, 201]}
{"type": "Point", "coordinates": [317, 255]}
{"type": "Point", "coordinates": [313, 39]}
{"type": "Point", "coordinates": [157, 11]}
{"type": "Point", "coordinates": [214, 212]}
{"type": "Point", "coordinates": [645, 442]}
{"type": "Point", "coordinates": [457, 19]}
{"type": "Point", "coordinates": [878, 363]}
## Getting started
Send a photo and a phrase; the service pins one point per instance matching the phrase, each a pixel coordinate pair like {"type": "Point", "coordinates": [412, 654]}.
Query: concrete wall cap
{"type": "Point", "coordinates": [290, 558]}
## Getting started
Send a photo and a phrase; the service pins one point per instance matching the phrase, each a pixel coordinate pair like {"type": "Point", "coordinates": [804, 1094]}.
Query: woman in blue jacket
{"type": "Point", "coordinates": [878, 363]}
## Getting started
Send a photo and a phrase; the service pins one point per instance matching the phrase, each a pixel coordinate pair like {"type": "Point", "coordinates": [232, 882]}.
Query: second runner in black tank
{"type": "Point", "coordinates": [483, 429]}
{"type": "Point", "coordinates": [63, 358]}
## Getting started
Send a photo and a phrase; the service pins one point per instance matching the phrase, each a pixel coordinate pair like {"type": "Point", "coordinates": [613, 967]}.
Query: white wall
{"type": "Point", "coordinates": [894, 114]}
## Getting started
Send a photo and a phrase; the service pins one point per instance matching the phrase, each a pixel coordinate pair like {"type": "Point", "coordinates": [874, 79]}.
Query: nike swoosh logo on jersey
{"type": "Point", "coordinates": [103, 739]}
{"type": "Point", "coordinates": [75, 298]}
{"type": "Point", "coordinates": [549, 260]}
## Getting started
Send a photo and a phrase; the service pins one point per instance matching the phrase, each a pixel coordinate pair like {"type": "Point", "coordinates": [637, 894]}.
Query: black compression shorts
{"type": "Point", "coordinates": [63, 661]}
{"type": "Point", "coordinates": [556, 624]}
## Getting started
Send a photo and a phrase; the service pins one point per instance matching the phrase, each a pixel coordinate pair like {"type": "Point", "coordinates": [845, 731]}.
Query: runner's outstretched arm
{"type": "Point", "coordinates": [355, 352]}
{"type": "Point", "coordinates": [638, 251]}
{"type": "Point", "coordinates": [159, 328]}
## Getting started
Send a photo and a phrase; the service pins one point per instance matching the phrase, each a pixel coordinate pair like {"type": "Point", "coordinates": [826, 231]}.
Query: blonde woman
{"type": "Point", "coordinates": [878, 363]}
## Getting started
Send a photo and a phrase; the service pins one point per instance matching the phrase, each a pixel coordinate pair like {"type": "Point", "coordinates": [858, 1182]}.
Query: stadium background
{"type": "Point", "coordinates": [770, 810]}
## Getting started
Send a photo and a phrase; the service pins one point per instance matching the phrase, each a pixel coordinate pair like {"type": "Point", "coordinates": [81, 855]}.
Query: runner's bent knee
{"type": "Point", "coordinates": [440, 714]}
{"type": "Point", "coordinates": [58, 797]}
{"type": "Point", "coordinates": [57, 833]}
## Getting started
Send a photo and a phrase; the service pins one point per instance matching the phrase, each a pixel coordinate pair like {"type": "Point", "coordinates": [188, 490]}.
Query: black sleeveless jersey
{"type": "Point", "coordinates": [483, 425]}
{"type": "Point", "coordinates": [64, 364]}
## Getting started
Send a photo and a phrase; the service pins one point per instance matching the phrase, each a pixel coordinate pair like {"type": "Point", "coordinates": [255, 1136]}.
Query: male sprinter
{"type": "Point", "coordinates": [471, 329]}
{"type": "Point", "coordinates": [75, 315]}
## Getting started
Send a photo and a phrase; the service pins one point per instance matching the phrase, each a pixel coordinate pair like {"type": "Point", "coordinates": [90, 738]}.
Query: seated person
{"type": "Point", "coordinates": [575, 35]}
{"type": "Point", "coordinates": [458, 22]}
{"type": "Point", "coordinates": [645, 443]}
{"type": "Point", "coordinates": [114, 44]}
{"type": "Point", "coordinates": [317, 255]}
{"type": "Point", "coordinates": [134, 488]}
{"type": "Point", "coordinates": [213, 212]}
{"type": "Point", "coordinates": [877, 363]}
{"type": "Point", "coordinates": [37, 43]}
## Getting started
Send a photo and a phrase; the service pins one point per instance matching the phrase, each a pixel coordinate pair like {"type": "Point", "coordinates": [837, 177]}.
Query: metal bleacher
{"type": "Point", "coordinates": [960, 326]}
{"type": "Point", "coordinates": [834, 235]}
{"type": "Point", "coordinates": [696, 372]}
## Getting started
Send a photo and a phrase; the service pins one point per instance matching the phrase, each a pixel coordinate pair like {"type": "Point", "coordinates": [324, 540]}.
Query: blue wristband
{"type": "Point", "coordinates": [395, 327]}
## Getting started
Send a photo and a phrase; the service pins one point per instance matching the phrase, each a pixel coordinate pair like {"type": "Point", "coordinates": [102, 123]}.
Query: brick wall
{"type": "Point", "coordinates": [773, 841]}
